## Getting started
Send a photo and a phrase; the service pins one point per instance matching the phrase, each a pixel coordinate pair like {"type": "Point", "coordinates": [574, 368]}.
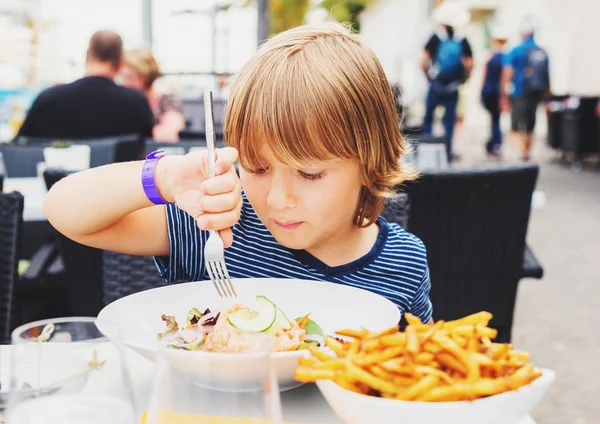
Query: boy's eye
{"type": "Point", "coordinates": [258, 171]}
{"type": "Point", "coordinates": [310, 176]}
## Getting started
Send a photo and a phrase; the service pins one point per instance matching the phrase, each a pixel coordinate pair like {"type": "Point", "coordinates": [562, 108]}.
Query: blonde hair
{"type": "Point", "coordinates": [316, 93]}
{"type": "Point", "coordinates": [142, 62]}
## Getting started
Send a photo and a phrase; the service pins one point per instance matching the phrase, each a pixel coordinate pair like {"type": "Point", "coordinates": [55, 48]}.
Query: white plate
{"type": "Point", "coordinates": [506, 408]}
{"type": "Point", "coordinates": [332, 306]}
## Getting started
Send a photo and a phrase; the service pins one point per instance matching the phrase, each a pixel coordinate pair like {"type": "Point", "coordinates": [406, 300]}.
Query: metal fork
{"type": "Point", "coordinates": [214, 251]}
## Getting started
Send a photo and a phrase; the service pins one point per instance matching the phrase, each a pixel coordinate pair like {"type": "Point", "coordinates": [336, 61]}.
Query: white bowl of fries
{"type": "Point", "coordinates": [449, 373]}
{"type": "Point", "coordinates": [505, 408]}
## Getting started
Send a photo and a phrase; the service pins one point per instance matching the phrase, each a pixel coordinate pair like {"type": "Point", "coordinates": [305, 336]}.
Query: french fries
{"type": "Point", "coordinates": [449, 361]}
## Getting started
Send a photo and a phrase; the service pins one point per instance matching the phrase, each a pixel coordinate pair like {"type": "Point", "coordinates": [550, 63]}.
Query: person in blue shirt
{"type": "Point", "coordinates": [447, 61]}
{"type": "Point", "coordinates": [490, 92]}
{"type": "Point", "coordinates": [313, 120]}
{"type": "Point", "coordinates": [526, 82]}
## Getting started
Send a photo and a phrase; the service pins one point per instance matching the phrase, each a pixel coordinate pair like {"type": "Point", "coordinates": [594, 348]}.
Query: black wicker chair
{"type": "Point", "coordinates": [474, 224]}
{"type": "Point", "coordinates": [193, 112]}
{"type": "Point", "coordinates": [397, 210]}
{"type": "Point", "coordinates": [82, 266]}
{"type": "Point", "coordinates": [52, 176]}
{"type": "Point", "coordinates": [84, 280]}
{"type": "Point", "coordinates": [21, 161]}
{"type": "Point", "coordinates": [96, 277]}
{"type": "Point", "coordinates": [127, 274]}
{"type": "Point", "coordinates": [11, 223]}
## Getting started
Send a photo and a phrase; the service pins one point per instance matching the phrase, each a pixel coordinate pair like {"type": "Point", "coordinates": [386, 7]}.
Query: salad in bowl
{"type": "Point", "coordinates": [222, 331]}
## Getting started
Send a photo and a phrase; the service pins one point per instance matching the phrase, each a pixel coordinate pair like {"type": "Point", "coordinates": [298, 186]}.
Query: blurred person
{"type": "Point", "coordinates": [490, 92]}
{"type": "Point", "coordinates": [93, 106]}
{"type": "Point", "coordinates": [140, 71]}
{"type": "Point", "coordinates": [525, 83]}
{"type": "Point", "coordinates": [397, 93]}
{"type": "Point", "coordinates": [447, 61]}
{"type": "Point", "coordinates": [223, 85]}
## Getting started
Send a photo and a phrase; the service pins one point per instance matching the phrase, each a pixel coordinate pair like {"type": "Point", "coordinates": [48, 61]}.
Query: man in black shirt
{"type": "Point", "coordinates": [447, 61]}
{"type": "Point", "coordinates": [93, 106]}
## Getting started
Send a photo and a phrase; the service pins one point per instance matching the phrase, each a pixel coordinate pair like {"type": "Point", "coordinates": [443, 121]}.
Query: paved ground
{"type": "Point", "coordinates": [558, 318]}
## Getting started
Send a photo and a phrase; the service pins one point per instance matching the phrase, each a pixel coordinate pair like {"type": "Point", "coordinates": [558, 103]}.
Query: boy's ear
{"type": "Point", "coordinates": [363, 176]}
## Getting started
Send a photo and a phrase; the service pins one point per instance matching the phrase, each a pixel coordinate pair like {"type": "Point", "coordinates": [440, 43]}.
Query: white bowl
{"type": "Point", "coordinates": [332, 306]}
{"type": "Point", "coordinates": [505, 408]}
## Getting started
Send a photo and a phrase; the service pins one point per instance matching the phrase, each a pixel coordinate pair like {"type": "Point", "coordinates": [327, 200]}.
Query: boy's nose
{"type": "Point", "coordinates": [280, 195]}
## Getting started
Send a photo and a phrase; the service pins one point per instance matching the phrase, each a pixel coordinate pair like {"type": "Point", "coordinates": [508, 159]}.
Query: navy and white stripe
{"type": "Point", "coordinates": [396, 266]}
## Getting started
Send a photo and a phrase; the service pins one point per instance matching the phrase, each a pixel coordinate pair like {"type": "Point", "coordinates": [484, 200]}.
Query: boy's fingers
{"type": "Point", "coordinates": [227, 237]}
{"type": "Point", "coordinates": [190, 201]}
{"type": "Point", "coordinates": [226, 157]}
{"type": "Point", "coordinates": [197, 162]}
{"type": "Point", "coordinates": [221, 184]}
{"type": "Point", "coordinates": [196, 203]}
{"type": "Point", "coordinates": [219, 221]}
{"type": "Point", "coordinates": [220, 202]}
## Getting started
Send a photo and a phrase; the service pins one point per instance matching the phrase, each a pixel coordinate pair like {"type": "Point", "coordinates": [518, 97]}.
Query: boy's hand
{"type": "Point", "coordinates": [215, 203]}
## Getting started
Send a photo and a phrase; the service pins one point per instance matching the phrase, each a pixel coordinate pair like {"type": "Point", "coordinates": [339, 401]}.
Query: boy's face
{"type": "Point", "coordinates": [306, 209]}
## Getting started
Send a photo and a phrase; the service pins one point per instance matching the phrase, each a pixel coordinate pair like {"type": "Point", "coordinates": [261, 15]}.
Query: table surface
{"type": "Point", "coordinates": [294, 402]}
{"type": "Point", "coordinates": [34, 191]}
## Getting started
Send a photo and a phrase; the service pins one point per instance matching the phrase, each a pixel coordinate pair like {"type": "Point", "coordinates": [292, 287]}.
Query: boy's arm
{"type": "Point", "coordinates": [106, 207]}
{"type": "Point", "coordinates": [421, 304]}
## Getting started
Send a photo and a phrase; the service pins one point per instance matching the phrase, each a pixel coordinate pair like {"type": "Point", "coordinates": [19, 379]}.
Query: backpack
{"type": "Point", "coordinates": [537, 75]}
{"type": "Point", "coordinates": [448, 62]}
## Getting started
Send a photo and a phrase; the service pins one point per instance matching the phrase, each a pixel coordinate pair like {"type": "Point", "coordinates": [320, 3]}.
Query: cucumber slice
{"type": "Point", "coordinates": [255, 321]}
{"type": "Point", "coordinates": [281, 323]}
{"type": "Point", "coordinates": [282, 320]}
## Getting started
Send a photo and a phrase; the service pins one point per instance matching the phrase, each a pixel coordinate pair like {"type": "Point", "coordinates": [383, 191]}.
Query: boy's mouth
{"type": "Point", "coordinates": [288, 225]}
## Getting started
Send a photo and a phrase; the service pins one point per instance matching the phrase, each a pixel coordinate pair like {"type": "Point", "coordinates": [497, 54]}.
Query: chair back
{"type": "Point", "coordinates": [52, 176]}
{"type": "Point", "coordinates": [180, 148]}
{"type": "Point", "coordinates": [127, 274]}
{"type": "Point", "coordinates": [102, 150]}
{"type": "Point", "coordinates": [397, 209]}
{"type": "Point", "coordinates": [193, 112]}
{"type": "Point", "coordinates": [474, 224]}
{"type": "Point", "coordinates": [11, 224]}
{"type": "Point", "coordinates": [21, 161]}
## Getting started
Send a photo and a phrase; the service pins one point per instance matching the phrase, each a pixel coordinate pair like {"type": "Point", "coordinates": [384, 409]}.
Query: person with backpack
{"type": "Point", "coordinates": [447, 61]}
{"type": "Point", "coordinates": [490, 92]}
{"type": "Point", "coordinates": [526, 82]}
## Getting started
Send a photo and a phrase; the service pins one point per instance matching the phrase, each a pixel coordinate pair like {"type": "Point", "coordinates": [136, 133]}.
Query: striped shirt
{"type": "Point", "coordinates": [396, 266]}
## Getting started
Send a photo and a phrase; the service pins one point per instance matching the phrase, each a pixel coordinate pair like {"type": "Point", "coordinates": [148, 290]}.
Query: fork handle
{"type": "Point", "coordinates": [209, 118]}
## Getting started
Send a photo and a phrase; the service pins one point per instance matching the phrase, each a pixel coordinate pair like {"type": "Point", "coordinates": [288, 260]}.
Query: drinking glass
{"type": "Point", "coordinates": [204, 387]}
{"type": "Point", "coordinates": [64, 371]}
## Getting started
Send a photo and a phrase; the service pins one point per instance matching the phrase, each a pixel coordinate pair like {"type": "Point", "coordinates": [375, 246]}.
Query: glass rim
{"type": "Point", "coordinates": [16, 333]}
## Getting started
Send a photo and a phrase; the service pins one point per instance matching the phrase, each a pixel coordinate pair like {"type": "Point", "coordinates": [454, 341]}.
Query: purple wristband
{"type": "Point", "coordinates": [148, 182]}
